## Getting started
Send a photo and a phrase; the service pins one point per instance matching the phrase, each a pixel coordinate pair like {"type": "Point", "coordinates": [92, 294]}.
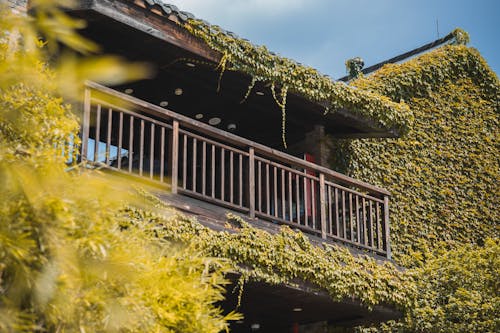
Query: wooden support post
{"type": "Point", "coordinates": [175, 156]}
{"type": "Point", "coordinates": [387, 227]}
{"type": "Point", "coordinates": [251, 182]}
{"type": "Point", "coordinates": [322, 203]}
{"type": "Point", "coordinates": [85, 125]}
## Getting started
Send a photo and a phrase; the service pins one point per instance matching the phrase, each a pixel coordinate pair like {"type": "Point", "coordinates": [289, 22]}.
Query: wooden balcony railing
{"type": "Point", "coordinates": [195, 159]}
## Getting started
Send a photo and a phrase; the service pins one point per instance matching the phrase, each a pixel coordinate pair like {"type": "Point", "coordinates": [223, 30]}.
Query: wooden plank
{"type": "Point", "coordinates": [322, 205]}
{"type": "Point", "coordinates": [359, 227]}
{"type": "Point", "coordinates": [97, 133]}
{"type": "Point", "coordinates": [120, 140]}
{"type": "Point", "coordinates": [175, 156]}
{"type": "Point", "coordinates": [141, 148]}
{"type": "Point", "coordinates": [222, 175]}
{"type": "Point", "coordinates": [151, 151]}
{"type": "Point", "coordinates": [351, 216]}
{"type": "Point", "coordinates": [387, 227]}
{"type": "Point", "coordinates": [344, 224]}
{"type": "Point", "coordinates": [204, 168]}
{"type": "Point", "coordinates": [365, 229]}
{"type": "Point", "coordinates": [231, 176]}
{"type": "Point", "coordinates": [313, 204]}
{"type": "Point", "coordinates": [184, 161]}
{"type": "Point", "coordinates": [213, 172]}
{"type": "Point", "coordinates": [240, 178]}
{"type": "Point", "coordinates": [290, 203]}
{"type": "Point", "coordinates": [259, 181]}
{"type": "Point", "coordinates": [275, 190]}
{"type": "Point", "coordinates": [297, 197]}
{"type": "Point", "coordinates": [283, 206]}
{"type": "Point", "coordinates": [370, 221]}
{"type": "Point", "coordinates": [378, 228]}
{"type": "Point", "coordinates": [251, 182]}
{"type": "Point", "coordinates": [330, 211]}
{"type": "Point", "coordinates": [194, 162]}
{"type": "Point", "coordinates": [86, 124]}
{"type": "Point", "coordinates": [131, 144]}
{"type": "Point", "coordinates": [337, 224]}
{"type": "Point", "coordinates": [108, 135]}
{"type": "Point", "coordinates": [268, 201]}
{"type": "Point", "coordinates": [162, 154]}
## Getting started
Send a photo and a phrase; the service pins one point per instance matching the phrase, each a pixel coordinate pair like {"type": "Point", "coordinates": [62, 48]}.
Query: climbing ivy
{"type": "Point", "coordinates": [443, 176]}
{"type": "Point", "coordinates": [284, 257]}
{"type": "Point", "coordinates": [265, 66]}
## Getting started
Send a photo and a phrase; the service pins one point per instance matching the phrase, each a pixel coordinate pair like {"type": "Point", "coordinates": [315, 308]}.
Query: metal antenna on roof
{"type": "Point", "coordinates": [437, 28]}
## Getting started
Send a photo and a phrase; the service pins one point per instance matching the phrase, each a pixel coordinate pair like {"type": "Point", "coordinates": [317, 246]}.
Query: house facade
{"type": "Point", "coordinates": [225, 126]}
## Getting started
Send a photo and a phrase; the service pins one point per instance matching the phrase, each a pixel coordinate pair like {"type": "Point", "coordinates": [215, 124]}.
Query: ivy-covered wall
{"type": "Point", "coordinates": [444, 173]}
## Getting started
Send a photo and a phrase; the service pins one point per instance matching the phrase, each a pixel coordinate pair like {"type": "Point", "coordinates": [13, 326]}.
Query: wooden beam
{"type": "Point", "coordinates": [152, 23]}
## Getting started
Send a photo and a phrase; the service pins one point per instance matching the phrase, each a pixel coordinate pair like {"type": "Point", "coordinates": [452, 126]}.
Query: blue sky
{"type": "Point", "coordinates": [324, 33]}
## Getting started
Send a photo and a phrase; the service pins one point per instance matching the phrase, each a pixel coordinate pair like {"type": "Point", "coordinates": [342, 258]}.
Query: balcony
{"type": "Point", "coordinates": [193, 159]}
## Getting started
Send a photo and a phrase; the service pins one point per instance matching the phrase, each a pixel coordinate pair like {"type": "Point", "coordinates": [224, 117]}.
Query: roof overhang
{"type": "Point", "coordinates": [141, 32]}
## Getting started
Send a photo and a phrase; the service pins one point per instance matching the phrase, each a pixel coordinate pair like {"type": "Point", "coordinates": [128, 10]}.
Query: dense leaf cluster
{"type": "Point", "coordinates": [443, 176]}
{"type": "Point", "coordinates": [262, 65]}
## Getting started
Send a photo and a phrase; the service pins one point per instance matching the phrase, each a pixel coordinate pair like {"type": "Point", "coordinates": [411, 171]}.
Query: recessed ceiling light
{"type": "Point", "coordinates": [297, 309]}
{"type": "Point", "coordinates": [163, 103]}
{"type": "Point", "coordinates": [214, 121]}
{"type": "Point", "coordinates": [199, 116]}
{"type": "Point", "coordinates": [260, 93]}
{"type": "Point", "coordinates": [190, 64]}
{"type": "Point", "coordinates": [255, 326]}
{"type": "Point", "coordinates": [129, 91]}
{"type": "Point", "coordinates": [239, 322]}
{"type": "Point", "coordinates": [178, 91]}
{"type": "Point", "coordinates": [231, 127]}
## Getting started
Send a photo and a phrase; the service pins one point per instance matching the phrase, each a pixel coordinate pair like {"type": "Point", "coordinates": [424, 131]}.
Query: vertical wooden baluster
{"type": "Point", "coordinates": [365, 230]}
{"type": "Point", "coordinates": [162, 155]}
{"type": "Point", "coordinates": [322, 205]}
{"type": "Point", "coordinates": [377, 217]}
{"type": "Point", "coordinates": [204, 168]}
{"type": "Point", "coordinates": [194, 161]}
{"type": "Point", "coordinates": [97, 133]}
{"type": "Point", "coordinates": [108, 138]}
{"type": "Point", "coordinates": [251, 182]}
{"type": "Point", "coordinates": [387, 227]}
{"type": "Point", "coordinates": [283, 206]}
{"type": "Point", "coordinates": [120, 140]}
{"type": "Point", "coordinates": [240, 177]}
{"type": "Point", "coordinates": [330, 213]}
{"type": "Point", "coordinates": [370, 217]}
{"type": "Point", "coordinates": [268, 200]}
{"type": "Point", "coordinates": [275, 190]}
{"type": "Point", "coordinates": [337, 217]}
{"type": "Point", "coordinates": [313, 203]}
{"type": "Point", "coordinates": [131, 144]}
{"type": "Point", "coordinates": [344, 222]}
{"type": "Point", "coordinates": [222, 171]}
{"type": "Point", "coordinates": [351, 216]}
{"type": "Point", "coordinates": [152, 151]}
{"type": "Point", "coordinates": [213, 171]}
{"type": "Point", "coordinates": [141, 148]}
{"type": "Point", "coordinates": [290, 202]}
{"type": "Point", "coordinates": [175, 155]}
{"type": "Point", "coordinates": [306, 217]}
{"type": "Point", "coordinates": [259, 181]}
{"type": "Point", "coordinates": [231, 177]}
{"type": "Point", "coordinates": [184, 161]}
{"type": "Point", "coordinates": [297, 197]}
{"type": "Point", "coordinates": [86, 124]}
{"type": "Point", "coordinates": [359, 227]}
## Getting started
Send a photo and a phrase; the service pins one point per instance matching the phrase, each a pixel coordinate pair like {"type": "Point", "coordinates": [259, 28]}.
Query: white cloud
{"type": "Point", "coordinates": [226, 10]}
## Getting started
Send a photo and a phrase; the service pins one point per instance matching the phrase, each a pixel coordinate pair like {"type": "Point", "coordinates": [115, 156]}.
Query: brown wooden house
{"type": "Point", "coordinates": [208, 153]}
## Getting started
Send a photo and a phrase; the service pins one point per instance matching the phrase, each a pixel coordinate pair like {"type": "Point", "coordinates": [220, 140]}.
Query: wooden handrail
{"type": "Point", "coordinates": [239, 141]}
{"type": "Point", "coordinates": [270, 184]}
